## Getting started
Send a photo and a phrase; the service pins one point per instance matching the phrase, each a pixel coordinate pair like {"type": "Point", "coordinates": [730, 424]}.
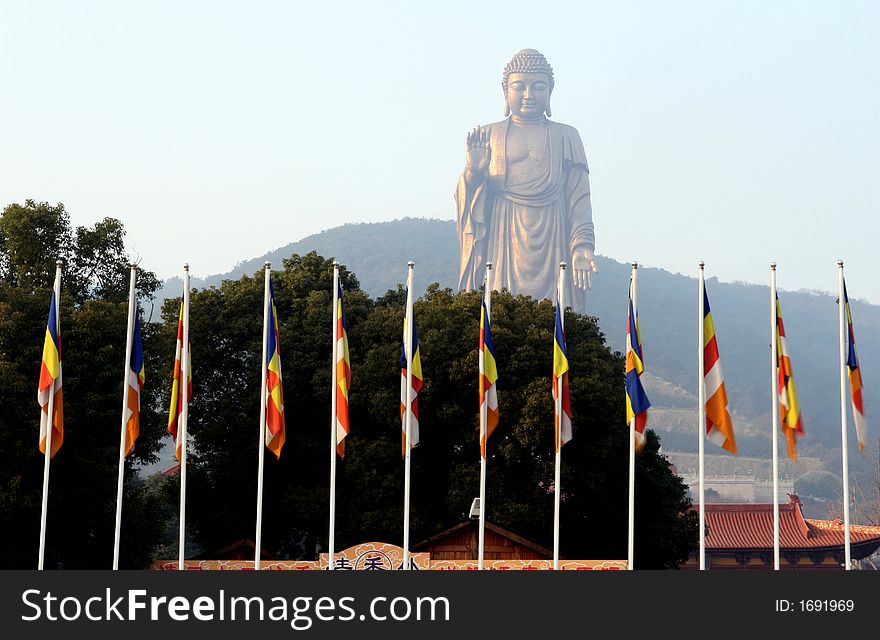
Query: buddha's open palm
{"type": "Point", "coordinates": [584, 268]}
{"type": "Point", "coordinates": [478, 150]}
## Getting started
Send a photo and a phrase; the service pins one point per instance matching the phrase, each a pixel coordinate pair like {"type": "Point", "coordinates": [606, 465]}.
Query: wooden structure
{"type": "Point", "coordinates": [238, 550]}
{"type": "Point", "coordinates": [740, 538]}
{"type": "Point", "coordinates": [461, 542]}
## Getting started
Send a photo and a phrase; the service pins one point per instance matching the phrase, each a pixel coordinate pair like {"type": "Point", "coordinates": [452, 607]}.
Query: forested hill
{"type": "Point", "coordinates": [377, 253]}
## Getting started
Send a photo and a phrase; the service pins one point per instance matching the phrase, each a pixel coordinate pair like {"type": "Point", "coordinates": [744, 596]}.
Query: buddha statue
{"type": "Point", "coordinates": [523, 199]}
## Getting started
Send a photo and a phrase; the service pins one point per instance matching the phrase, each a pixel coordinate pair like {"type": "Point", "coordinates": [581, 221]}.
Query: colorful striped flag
{"type": "Point", "coordinates": [275, 434]}
{"type": "Point", "coordinates": [789, 409]}
{"type": "Point", "coordinates": [175, 413]}
{"type": "Point", "coordinates": [855, 377]}
{"type": "Point", "coordinates": [719, 425]}
{"type": "Point", "coordinates": [562, 423]}
{"type": "Point", "coordinates": [50, 382]}
{"type": "Point", "coordinates": [343, 375]}
{"type": "Point", "coordinates": [637, 402]}
{"type": "Point", "coordinates": [416, 387]}
{"type": "Point", "coordinates": [488, 377]}
{"type": "Point", "coordinates": [136, 381]}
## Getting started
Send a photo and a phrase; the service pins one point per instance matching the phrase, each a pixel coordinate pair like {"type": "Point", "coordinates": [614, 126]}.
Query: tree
{"type": "Point", "coordinates": [225, 338]}
{"type": "Point", "coordinates": [225, 332]}
{"type": "Point", "coordinates": [93, 313]}
{"type": "Point", "coordinates": [32, 237]}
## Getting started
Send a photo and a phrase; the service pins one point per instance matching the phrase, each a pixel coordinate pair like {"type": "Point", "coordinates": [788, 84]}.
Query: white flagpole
{"type": "Point", "coordinates": [701, 406]}
{"type": "Point", "coordinates": [843, 440]}
{"type": "Point", "coordinates": [408, 411]}
{"type": "Point", "coordinates": [560, 288]}
{"type": "Point", "coordinates": [129, 336]}
{"type": "Point", "coordinates": [333, 419]}
{"type": "Point", "coordinates": [261, 439]}
{"type": "Point", "coordinates": [182, 427]}
{"type": "Point", "coordinates": [632, 434]}
{"type": "Point", "coordinates": [774, 410]}
{"type": "Point", "coordinates": [49, 427]}
{"type": "Point", "coordinates": [484, 426]}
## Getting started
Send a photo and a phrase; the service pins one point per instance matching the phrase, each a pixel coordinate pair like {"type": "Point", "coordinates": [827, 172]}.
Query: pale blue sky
{"type": "Point", "coordinates": [732, 132]}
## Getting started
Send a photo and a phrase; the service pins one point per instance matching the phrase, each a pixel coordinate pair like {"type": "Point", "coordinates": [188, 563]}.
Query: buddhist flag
{"type": "Point", "coordinates": [275, 435]}
{"type": "Point", "coordinates": [855, 376]}
{"type": "Point", "coordinates": [719, 425]}
{"type": "Point", "coordinates": [343, 374]}
{"type": "Point", "coordinates": [416, 387]}
{"type": "Point", "coordinates": [488, 377]}
{"type": "Point", "coordinates": [562, 421]}
{"type": "Point", "coordinates": [175, 413]}
{"type": "Point", "coordinates": [637, 402]}
{"type": "Point", "coordinates": [789, 409]}
{"type": "Point", "coordinates": [50, 381]}
{"type": "Point", "coordinates": [135, 384]}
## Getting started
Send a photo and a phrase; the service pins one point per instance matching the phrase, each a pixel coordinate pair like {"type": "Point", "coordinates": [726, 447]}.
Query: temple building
{"type": "Point", "coordinates": [461, 542]}
{"type": "Point", "coordinates": [740, 538]}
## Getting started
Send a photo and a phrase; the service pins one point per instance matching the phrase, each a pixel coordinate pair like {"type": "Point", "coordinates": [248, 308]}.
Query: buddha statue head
{"type": "Point", "coordinates": [527, 82]}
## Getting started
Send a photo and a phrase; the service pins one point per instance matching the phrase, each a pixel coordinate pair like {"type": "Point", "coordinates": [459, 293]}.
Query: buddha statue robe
{"type": "Point", "coordinates": [528, 219]}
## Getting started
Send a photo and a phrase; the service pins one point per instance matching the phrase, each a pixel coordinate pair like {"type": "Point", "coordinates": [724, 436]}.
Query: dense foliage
{"type": "Point", "coordinates": [82, 496]}
{"type": "Point", "coordinates": [222, 478]}
{"type": "Point", "coordinates": [226, 345]}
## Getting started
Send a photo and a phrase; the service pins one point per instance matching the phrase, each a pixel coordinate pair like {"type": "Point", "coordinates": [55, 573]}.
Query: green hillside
{"type": "Point", "coordinates": [378, 252]}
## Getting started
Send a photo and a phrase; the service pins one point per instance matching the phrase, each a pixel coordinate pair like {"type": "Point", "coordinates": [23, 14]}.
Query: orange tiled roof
{"type": "Point", "coordinates": [750, 526]}
{"type": "Point", "coordinates": [172, 471]}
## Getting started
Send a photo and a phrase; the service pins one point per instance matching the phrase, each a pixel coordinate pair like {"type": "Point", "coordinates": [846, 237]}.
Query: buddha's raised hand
{"type": "Point", "coordinates": [478, 151]}
{"type": "Point", "coordinates": [584, 268]}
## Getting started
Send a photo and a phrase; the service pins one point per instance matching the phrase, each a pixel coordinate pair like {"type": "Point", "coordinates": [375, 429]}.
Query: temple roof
{"type": "Point", "coordinates": [239, 549]}
{"type": "Point", "coordinates": [750, 526]}
{"type": "Point", "coordinates": [441, 535]}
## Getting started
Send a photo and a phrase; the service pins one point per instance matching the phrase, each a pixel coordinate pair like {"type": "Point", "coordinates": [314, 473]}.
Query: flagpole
{"type": "Point", "coordinates": [774, 410]}
{"type": "Point", "coordinates": [701, 406]}
{"type": "Point", "coordinates": [56, 288]}
{"type": "Point", "coordinates": [632, 433]}
{"type": "Point", "coordinates": [333, 419]}
{"type": "Point", "coordinates": [843, 439]}
{"type": "Point", "coordinates": [182, 427]}
{"type": "Point", "coordinates": [125, 385]}
{"type": "Point", "coordinates": [408, 412]}
{"type": "Point", "coordinates": [484, 428]}
{"type": "Point", "coordinates": [261, 439]}
{"type": "Point", "coordinates": [560, 289]}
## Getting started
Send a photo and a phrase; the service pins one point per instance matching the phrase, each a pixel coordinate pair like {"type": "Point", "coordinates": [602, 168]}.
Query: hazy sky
{"type": "Point", "coordinates": [732, 132]}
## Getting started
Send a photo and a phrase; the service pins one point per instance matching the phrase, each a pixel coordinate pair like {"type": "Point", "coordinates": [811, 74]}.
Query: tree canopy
{"type": "Point", "coordinates": [225, 340]}
{"type": "Point", "coordinates": [93, 312]}
{"type": "Point", "coordinates": [226, 348]}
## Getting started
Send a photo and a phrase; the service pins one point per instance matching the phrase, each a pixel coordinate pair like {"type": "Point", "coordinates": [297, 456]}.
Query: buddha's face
{"type": "Point", "coordinates": [528, 94]}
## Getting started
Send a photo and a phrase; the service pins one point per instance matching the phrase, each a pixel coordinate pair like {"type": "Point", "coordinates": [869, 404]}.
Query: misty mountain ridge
{"type": "Point", "coordinates": [377, 254]}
